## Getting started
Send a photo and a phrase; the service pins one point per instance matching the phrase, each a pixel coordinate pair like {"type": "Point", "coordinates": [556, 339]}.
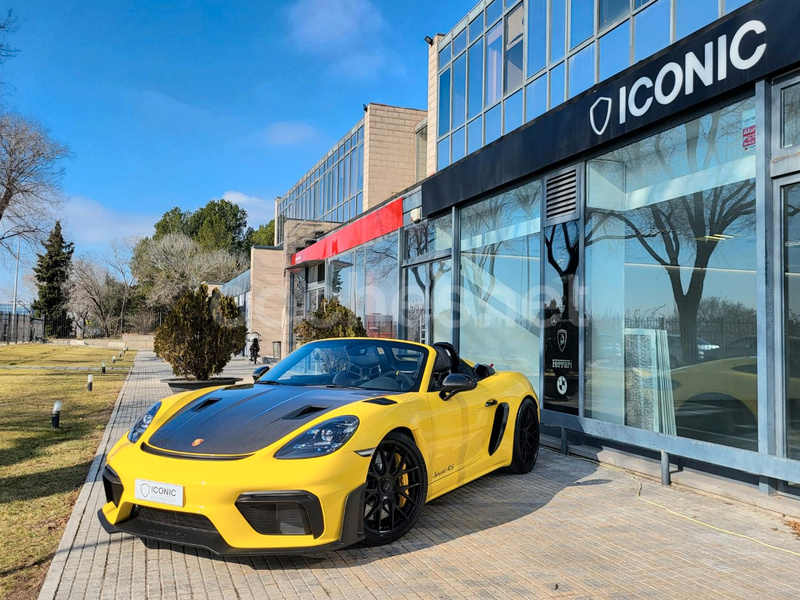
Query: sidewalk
{"type": "Point", "coordinates": [569, 529]}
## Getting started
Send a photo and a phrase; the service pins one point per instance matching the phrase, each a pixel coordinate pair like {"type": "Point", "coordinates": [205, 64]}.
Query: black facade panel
{"type": "Point", "coordinates": [767, 29]}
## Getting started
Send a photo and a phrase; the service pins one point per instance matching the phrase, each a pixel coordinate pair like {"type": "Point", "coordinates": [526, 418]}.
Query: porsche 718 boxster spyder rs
{"type": "Point", "coordinates": [343, 441]}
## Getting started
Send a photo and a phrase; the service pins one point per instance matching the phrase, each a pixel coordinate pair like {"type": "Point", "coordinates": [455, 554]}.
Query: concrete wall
{"type": "Point", "coordinates": [433, 101]}
{"type": "Point", "coordinates": [266, 295]}
{"type": "Point", "coordinates": [389, 151]}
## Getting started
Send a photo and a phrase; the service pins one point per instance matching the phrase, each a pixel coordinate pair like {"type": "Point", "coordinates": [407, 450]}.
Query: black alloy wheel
{"type": "Point", "coordinates": [526, 438]}
{"type": "Point", "coordinates": [397, 485]}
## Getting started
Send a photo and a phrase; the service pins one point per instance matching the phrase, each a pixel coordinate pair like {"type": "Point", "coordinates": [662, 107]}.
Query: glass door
{"type": "Point", "coordinates": [428, 302]}
{"type": "Point", "coordinates": [790, 199]}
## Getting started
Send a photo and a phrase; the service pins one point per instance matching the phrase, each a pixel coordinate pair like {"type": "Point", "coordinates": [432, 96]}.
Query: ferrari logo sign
{"type": "Point", "coordinates": [197, 442]}
{"type": "Point", "coordinates": [562, 339]}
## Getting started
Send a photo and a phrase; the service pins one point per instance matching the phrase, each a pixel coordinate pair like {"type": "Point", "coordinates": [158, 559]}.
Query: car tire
{"type": "Point", "coordinates": [526, 438]}
{"type": "Point", "coordinates": [397, 486]}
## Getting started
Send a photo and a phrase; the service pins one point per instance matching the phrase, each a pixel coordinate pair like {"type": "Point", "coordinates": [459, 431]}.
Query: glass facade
{"type": "Point", "coordinates": [332, 190]}
{"type": "Point", "coordinates": [671, 282]}
{"type": "Point", "coordinates": [499, 320]}
{"type": "Point", "coordinates": [572, 44]}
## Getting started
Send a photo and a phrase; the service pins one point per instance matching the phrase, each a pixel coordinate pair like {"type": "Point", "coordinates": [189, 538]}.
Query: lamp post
{"type": "Point", "coordinates": [14, 301]}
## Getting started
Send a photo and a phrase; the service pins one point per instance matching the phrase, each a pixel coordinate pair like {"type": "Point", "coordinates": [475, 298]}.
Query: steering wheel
{"type": "Point", "coordinates": [405, 380]}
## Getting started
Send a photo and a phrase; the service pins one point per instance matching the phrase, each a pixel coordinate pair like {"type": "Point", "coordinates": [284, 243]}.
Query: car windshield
{"type": "Point", "coordinates": [367, 364]}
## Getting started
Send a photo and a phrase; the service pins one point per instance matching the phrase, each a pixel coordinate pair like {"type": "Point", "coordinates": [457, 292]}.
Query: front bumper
{"type": "Point", "coordinates": [254, 505]}
{"type": "Point", "coordinates": [201, 533]}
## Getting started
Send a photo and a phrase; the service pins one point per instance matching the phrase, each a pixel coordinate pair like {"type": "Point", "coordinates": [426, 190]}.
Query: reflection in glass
{"type": "Point", "coordinates": [581, 19]}
{"type": "Point", "coordinates": [416, 290]}
{"type": "Point", "coordinates": [537, 36]}
{"type": "Point", "coordinates": [581, 71]}
{"type": "Point", "coordinates": [440, 233]}
{"type": "Point", "coordinates": [493, 12]}
{"type": "Point", "coordinates": [493, 124]}
{"type": "Point", "coordinates": [614, 51]}
{"type": "Point", "coordinates": [475, 28]}
{"type": "Point", "coordinates": [691, 15]}
{"type": "Point", "coordinates": [444, 56]}
{"type": "Point", "coordinates": [557, 29]}
{"type": "Point", "coordinates": [444, 102]}
{"type": "Point", "coordinates": [499, 276]}
{"type": "Point", "coordinates": [380, 307]}
{"type": "Point", "coordinates": [341, 283]}
{"type": "Point", "coordinates": [494, 64]}
{"type": "Point", "coordinates": [731, 5]}
{"type": "Point", "coordinates": [556, 85]}
{"type": "Point", "coordinates": [443, 153]}
{"type": "Point", "coordinates": [790, 110]}
{"type": "Point", "coordinates": [514, 49]}
{"type": "Point", "coordinates": [671, 282]}
{"type": "Point", "coordinates": [791, 212]}
{"type": "Point", "coordinates": [611, 11]}
{"type": "Point", "coordinates": [475, 135]}
{"type": "Point", "coordinates": [475, 79]}
{"type": "Point", "coordinates": [441, 301]}
{"type": "Point", "coordinates": [460, 43]}
{"type": "Point", "coordinates": [536, 98]}
{"type": "Point", "coordinates": [652, 30]}
{"type": "Point", "coordinates": [459, 91]}
{"type": "Point", "coordinates": [513, 113]}
{"type": "Point", "coordinates": [459, 144]}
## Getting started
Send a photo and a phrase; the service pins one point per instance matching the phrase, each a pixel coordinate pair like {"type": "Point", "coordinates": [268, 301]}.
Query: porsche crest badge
{"type": "Point", "coordinates": [197, 442]}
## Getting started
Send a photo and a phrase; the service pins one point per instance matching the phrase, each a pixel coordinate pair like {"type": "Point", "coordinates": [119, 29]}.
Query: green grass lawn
{"type": "Point", "coordinates": [42, 470]}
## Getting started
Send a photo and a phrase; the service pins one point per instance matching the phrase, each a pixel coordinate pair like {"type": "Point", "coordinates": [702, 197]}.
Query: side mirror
{"type": "Point", "coordinates": [259, 372]}
{"type": "Point", "coordinates": [457, 382]}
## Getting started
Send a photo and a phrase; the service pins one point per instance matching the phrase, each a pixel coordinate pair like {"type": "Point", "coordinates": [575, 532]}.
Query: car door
{"type": "Point", "coordinates": [461, 426]}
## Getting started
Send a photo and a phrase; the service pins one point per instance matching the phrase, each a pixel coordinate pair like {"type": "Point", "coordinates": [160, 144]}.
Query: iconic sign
{"type": "Point", "coordinates": [753, 43]}
{"type": "Point", "coordinates": [677, 78]}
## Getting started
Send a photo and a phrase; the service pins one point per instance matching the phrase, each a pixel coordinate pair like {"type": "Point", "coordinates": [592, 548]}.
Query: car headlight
{"type": "Point", "coordinates": [143, 423]}
{"type": "Point", "coordinates": [321, 439]}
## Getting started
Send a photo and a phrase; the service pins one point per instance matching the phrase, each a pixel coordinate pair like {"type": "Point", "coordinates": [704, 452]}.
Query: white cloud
{"type": "Point", "coordinates": [349, 34]}
{"type": "Point", "coordinates": [90, 223]}
{"type": "Point", "coordinates": [289, 133]}
{"type": "Point", "coordinates": [259, 210]}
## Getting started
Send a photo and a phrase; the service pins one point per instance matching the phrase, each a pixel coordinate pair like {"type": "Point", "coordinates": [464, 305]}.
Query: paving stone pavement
{"type": "Point", "coordinates": [569, 529]}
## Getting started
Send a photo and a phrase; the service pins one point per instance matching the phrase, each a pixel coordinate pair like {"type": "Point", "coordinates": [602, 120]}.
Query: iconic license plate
{"type": "Point", "coordinates": [155, 491]}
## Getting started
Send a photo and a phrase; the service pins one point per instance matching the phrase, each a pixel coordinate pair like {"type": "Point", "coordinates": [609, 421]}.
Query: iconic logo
{"type": "Point", "coordinates": [144, 489]}
{"type": "Point", "coordinates": [562, 339]}
{"type": "Point", "coordinates": [602, 105]}
{"type": "Point", "coordinates": [561, 385]}
{"type": "Point", "coordinates": [680, 78]}
{"type": "Point", "coordinates": [198, 441]}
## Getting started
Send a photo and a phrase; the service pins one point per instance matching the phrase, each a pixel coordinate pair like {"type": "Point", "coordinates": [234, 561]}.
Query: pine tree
{"type": "Point", "coordinates": [52, 271]}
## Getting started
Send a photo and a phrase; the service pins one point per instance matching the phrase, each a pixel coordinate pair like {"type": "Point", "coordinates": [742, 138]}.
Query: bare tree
{"type": "Point", "coordinates": [30, 178]}
{"type": "Point", "coordinates": [175, 263]}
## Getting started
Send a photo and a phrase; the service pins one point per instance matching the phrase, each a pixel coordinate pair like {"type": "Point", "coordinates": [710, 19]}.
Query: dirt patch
{"type": "Point", "coordinates": [795, 527]}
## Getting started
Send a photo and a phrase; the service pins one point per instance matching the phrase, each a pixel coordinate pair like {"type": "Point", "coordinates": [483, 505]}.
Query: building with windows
{"type": "Point", "coordinates": [378, 157]}
{"type": "Point", "coordinates": [508, 62]}
{"type": "Point", "coordinates": [616, 217]}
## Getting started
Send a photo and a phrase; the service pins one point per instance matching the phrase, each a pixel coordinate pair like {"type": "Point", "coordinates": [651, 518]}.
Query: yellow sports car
{"type": "Point", "coordinates": [342, 441]}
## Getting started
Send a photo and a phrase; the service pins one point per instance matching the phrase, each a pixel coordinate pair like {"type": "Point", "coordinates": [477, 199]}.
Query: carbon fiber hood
{"type": "Point", "coordinates": [246, 418]}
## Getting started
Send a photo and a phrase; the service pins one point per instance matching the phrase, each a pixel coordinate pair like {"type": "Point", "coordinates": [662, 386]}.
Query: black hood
{"type": "Point", "coordinates": [246, 418]}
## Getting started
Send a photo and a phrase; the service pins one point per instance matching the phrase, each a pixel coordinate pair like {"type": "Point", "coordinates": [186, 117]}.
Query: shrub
{"type": "Point", "coordinates": [330, 320]}
{"type": "Point", "coordinates": [200, 334]}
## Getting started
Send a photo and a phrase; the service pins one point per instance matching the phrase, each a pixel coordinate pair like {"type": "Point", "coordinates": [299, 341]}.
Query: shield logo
{"type": "Point", "coordinates": [600, 114]}
{"type": "Point", "coordinates": [562, 339]}
{"type": "Point", "coordinates": [197, 442]}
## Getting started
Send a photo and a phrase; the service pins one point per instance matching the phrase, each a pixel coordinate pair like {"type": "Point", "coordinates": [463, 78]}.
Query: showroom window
{"type": "Point", "coordinates": [671, 281]}
{"type": "Point", "coordinates": [499, 280]}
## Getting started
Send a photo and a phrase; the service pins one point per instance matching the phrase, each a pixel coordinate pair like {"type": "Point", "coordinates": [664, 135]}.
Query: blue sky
{"type": "Point", "coordinates": [174, 102]}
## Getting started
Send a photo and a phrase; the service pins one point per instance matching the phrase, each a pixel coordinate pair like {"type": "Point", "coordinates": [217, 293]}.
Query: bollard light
{"type": "Point", "coordinates": [120, 353]}
{"type": "Point", "coordinates": [56, 415]}
{"type": "Point", "coordinates": [103, 367]}
{"type": "Point", "coordinates": [113, 359]}
{"type": "Point", "coordinates": [89, 381]}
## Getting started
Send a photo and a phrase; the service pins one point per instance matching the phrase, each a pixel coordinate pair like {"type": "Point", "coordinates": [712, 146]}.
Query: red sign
{"type": "Point", "coordinates": [371, 226]}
